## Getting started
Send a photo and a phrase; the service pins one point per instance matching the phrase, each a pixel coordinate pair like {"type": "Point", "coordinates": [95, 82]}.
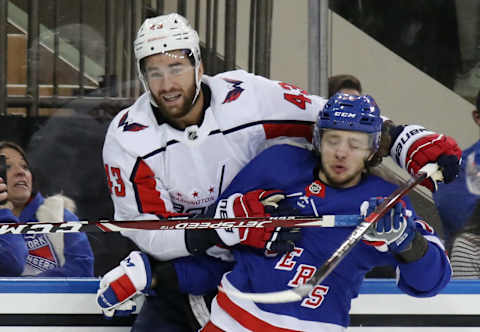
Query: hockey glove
{"type": "Point", "coordinates": [394, 232]}
{"type": "Point", "coordinates": [252, 204]}
{"type": "Point", "coordinates": [414, 147]}
{"type": "Point", "coordinates": [119, 286]}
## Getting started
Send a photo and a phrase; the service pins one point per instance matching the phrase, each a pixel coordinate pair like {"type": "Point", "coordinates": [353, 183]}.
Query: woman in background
{"type": "Point", "coordinates": [42, 255]}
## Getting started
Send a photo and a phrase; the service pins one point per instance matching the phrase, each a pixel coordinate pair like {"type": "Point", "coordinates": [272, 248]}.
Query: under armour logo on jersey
{"type": "Point", "coordinates": [236, 91]}
{"type": "Point", "coordinates": [130, 126]}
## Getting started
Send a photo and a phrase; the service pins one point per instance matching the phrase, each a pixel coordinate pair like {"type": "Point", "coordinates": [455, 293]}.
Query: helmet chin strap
{"type": "Point", "coordinates": [152, 99]}
{"type": "Point", "coordinates": [197, 83]}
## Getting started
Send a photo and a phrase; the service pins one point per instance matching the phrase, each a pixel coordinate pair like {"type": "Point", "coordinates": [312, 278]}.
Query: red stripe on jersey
{"type": "Point", "coordinates": [123, 288]}
{"type": "Point", "coordinates": [210, 327]}
{"type": "Point", "coordinates": [273, 130]}
{"type": "Point", "coordinates": [246, 319]}
{"type": "Point", "coordinates": [144, 180]}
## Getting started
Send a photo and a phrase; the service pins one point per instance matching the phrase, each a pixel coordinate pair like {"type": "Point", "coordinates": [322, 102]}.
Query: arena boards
{"type": "Point", "coordinates": [29, 304]}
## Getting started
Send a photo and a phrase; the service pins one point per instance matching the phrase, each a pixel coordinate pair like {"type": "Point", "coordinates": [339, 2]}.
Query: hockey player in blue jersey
{"type": "Point", "coordinates": [335, 180]}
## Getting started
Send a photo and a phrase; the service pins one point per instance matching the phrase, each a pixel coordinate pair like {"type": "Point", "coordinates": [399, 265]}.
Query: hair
{"type": "Point", "coordinates": [19, 149]}
{"type": "Point", "coordinates": [343, 81]}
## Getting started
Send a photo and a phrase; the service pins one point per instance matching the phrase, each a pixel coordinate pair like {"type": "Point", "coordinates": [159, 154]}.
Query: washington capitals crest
{"type": "Point", "coordinates": [235, 92]}
{"type": "Point", "coordinates": [130, 126]}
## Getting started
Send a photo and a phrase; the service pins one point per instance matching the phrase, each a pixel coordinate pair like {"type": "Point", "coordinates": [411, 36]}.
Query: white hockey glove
{"type": "Point", "coordinates": [119, 286]}
{"type": "Point", "coordinates": [394, 232]}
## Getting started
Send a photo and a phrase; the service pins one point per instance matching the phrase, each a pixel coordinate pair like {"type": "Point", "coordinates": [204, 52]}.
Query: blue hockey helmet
{"type": "Point", "coordinates": [350, 112]}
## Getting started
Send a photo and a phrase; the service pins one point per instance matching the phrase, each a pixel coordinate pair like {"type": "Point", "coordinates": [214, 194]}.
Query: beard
{"type": "Point", "coordinates": [177, 112]}
{"type": "Point", "coordinates": [339, 183]}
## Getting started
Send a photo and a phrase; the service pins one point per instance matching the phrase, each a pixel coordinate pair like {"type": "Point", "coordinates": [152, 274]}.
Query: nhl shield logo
{"type": "Point", "coordinates": [316, 188]}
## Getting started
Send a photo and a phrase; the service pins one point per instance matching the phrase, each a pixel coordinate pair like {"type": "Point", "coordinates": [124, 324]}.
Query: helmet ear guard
{"type": "Point", "coordinates": [161, 34]}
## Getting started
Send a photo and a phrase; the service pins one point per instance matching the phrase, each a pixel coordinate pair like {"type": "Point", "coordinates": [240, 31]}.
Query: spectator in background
{"type": "Point", "coordinates": [42, 255]}
{"type": "Point", "coordinates": [454, 202]}
{"type": "Point", "coordinates": [344, 83]}
{"type": "Point", "coordinates": [466, 247]}
{"type": "Point", "coordinates": [467, 81]}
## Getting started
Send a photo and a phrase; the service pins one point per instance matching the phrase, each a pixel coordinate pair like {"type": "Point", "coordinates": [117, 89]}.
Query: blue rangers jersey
{"type": "Point", "coordinates": [44, 255]}
{"type": "Point", "coordinates": [292, 170]}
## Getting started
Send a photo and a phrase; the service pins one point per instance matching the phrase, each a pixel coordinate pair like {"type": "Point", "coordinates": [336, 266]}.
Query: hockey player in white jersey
{"type": "Point", "coordinates": [183, 141]}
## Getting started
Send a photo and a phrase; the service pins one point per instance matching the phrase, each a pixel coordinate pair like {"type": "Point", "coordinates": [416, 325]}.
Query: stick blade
{"type": "Point", "coordinates": [290, 295]}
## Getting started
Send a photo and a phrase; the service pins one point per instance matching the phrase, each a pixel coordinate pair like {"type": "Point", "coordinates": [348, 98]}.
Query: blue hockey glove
{"type": "Point", "coordinates": [394, 232]}
{"type": "Point", "coordinates": [119, 286]}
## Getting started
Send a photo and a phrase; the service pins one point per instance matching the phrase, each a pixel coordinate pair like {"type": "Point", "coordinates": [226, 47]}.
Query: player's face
{"type": "Point", "coordinates": [171, 79]}
{"type": "Point", "coordinates": [19, 178]}
{"type": "Point", "coordinates": [343, 157]}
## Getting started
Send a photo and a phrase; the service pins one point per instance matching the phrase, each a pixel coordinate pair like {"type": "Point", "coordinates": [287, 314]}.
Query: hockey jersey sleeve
{"type": "Point", "coordinates": [430, 274]}
{"type": "Point", "coordinates": [13, 249]}
{"type": "Point", "coordinates": [287, 113]}
{"type": "Point", "coordinates": [135, 191]}
{"type": "Point", "coordinates": [137, 194]}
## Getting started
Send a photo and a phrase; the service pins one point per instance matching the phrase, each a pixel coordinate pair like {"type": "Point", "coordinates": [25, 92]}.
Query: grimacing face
{"type": "Point", "coordinates": [19, 177]}
{"type": "Point", "coordinates": [171, 79]}
{"type": "Point", "coordinates": [343, 157]}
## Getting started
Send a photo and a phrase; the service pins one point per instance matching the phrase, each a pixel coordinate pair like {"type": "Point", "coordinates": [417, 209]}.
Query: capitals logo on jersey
{"type": "Point", "coordinates": [41, 254]}
{"type": "Point", "coordinates": [130, 126]}
{"type": "Point", "coordinates": [235, 92]}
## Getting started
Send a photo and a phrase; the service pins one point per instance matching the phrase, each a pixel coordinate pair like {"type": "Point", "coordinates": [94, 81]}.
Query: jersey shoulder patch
{"type": "Point", "coordinates": [130, 126]}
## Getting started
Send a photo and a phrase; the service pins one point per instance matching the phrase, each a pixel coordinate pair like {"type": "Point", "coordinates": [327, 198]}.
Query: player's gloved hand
{"type": "Point", "coordinates": [119, 286]}
{"type": "Point", "coordinates": [252, 204]}
{"type": "Point", "coordinates": [414, 147]}
{"type": "Point", "coordinates": [394, 232]}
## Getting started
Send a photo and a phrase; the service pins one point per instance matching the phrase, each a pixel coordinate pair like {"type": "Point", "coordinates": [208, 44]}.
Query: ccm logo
{"type": "Point", "coordinates": [345, 114]}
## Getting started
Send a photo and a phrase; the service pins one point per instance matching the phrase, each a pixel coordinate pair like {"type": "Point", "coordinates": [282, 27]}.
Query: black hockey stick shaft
{"type": "Point", "coordinates": [177, 223]}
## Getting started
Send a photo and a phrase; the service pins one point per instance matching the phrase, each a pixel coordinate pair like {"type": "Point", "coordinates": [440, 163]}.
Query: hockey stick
{"type": "Point", "coordinates": [176, 223]}
{"type": "Point", "coordinates": [298, 293]}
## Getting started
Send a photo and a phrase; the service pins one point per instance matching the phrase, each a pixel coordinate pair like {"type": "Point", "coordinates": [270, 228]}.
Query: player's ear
{"type": "Point", "coordinates": [200, 70]}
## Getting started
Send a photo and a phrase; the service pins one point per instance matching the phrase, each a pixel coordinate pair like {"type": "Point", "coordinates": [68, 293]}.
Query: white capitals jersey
{"type": "Point", "coordinates": [154, 169]}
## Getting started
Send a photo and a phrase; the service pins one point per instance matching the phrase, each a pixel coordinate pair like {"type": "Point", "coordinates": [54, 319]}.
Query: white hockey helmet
{"type": "Point", "coordinates": [167, 33]}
